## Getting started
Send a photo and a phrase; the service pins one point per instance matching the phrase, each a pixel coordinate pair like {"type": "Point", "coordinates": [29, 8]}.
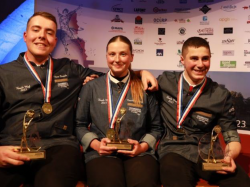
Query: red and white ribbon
{"type": "Point", "coordinates": [114, 111]}
{"type": "Point", "coordinates": [181, 115]}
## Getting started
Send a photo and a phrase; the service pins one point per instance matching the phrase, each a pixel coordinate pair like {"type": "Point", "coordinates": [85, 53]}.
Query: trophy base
{"type": "Point", "coordinates": [214, 166]}
{"type": "Point", "coordinates": [33, 155]}
{"type": "Point", "coordinates": [121, 146]}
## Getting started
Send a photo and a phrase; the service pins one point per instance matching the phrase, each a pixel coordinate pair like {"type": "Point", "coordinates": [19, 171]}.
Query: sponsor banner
{"type": "Point", "coordinates": [85, 27]}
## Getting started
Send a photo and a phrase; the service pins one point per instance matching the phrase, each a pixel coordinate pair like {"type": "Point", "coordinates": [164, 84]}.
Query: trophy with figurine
{"type": "Point", "coordinates": [30, 139]}
{"type": "Point", "coordinates": [211, 152]}
{"type": "Point", "coordinates": [113, 135]}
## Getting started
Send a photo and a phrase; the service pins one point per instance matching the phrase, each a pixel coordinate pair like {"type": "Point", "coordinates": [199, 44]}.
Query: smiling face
{"type": "Point", "coordinates": [40, 38]}
{"type": "Point", "coordinates": [196, 61]}
{"type": "Point", "coordinates": [119, 57]}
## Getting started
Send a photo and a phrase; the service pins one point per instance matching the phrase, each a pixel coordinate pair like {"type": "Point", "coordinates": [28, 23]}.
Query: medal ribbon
{"type": "Point", "coordinates": [181, 115]}
{"type": "Point", "coordinates": [113, 112]}
{"type": "Point", "coordinates": [47, 89]}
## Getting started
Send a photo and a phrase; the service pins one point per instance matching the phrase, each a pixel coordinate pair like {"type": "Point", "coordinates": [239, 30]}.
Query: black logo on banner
{"type": "Point", "coordinates": [205, 9]}
{"type": "Point", "coordinates": [228, 30]}
{"type": "Point", "coordinates": [182, 31]}
{"type": "Point", "coordinates": [161, 31]}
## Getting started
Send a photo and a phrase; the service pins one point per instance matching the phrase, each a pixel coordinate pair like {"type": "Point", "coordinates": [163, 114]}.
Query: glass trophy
{"type": "Point", "coordinates": [113, 135]}
{"type": "Point", "coordinates": [30, 140]}
{"type": "Point", "coordinates": [211, 151]}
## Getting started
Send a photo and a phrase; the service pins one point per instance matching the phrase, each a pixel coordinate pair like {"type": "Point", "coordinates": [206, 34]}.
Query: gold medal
{"type": "Point", "coordinates": [47, 108]}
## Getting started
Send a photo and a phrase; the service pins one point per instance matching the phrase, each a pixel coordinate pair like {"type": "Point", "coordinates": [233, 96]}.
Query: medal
{"type": "Point", "coordinates": [47, 108]}
{"type": "Point", "coordinates": [180, 130]}
{"type": "Point", "coordinates": [113, 111]}
{"type": "Point", "coordinates": [182, 114]}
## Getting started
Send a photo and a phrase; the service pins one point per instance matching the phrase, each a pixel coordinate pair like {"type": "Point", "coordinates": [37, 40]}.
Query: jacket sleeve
{"type": "Point", "coordinates": [153, 120]}
{"type": "Point", "coordinates": [83, 117]}
{"type": "Point", "coordinates": [227, 120]}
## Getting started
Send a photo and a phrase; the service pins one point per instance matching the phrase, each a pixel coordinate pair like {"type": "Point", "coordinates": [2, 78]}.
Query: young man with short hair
{"type": "Point", "coordinates": [191, 105]}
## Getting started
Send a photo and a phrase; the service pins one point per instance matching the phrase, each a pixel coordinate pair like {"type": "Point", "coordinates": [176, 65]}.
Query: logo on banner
{"type": "Point", "coordinates": [160, 42]}
{"type": "Point", "coordinates": [248, 22]}
{"type": "Point", "coordinates": [138, 20]}
{"type": "Point", "coordinates": [205, 9]}
{"type": "Point", "coordinates": [228, 53]}
{"type": "Point", "coordinates": [247, 64]}
{"type": "Point", "coordinates": [138, 41]}
{"type": "Point", "coordinates": [182, 31]}
{"type": "Point", "coordinates": [159, 52]}
{"type": "Point", "coordinates": [229, 8]}
{"type": "Point", "coordinates": [140, 10]}
{"type": "Point", "coordinates": [228, 41]}
{"type": "Point", "coordinates": [204, 21]}
{"type": "Point", "coordinates": [224, 19]}
{"type": "Point", "coordinates": [182, 10]}
{"type": "Point", "coordinates": [182, 20]}
{"type": "Point", "coordinates": [159, 10]}
{"type": "Point", "coordinates": [117, 29]}
{"type": "Point", "coordinates": [245, 7]}
{"type": "Point", "coordinates": [116, 8]}
{"type": "Point", "coordinates": [138, 30]}
{"type": "Point", "coordinates": [181, 42]}
{"type": "Point", "coordinates": [161, 31]}
{"type": "Point", "coordinates": [246, 52]}
{"type": "Point", "coordinates": [160, 1]}
{"type": "Point", "coordinates": [227, 64]}
{"type": "Point", "coordinates": [117, 19]}
{"type": "Point", "coordinates": [228, 30]}
{"type": "Point", "coordinates": [179, 52]}
{"type": "Point", "coordinates": [206, 31]}
{"type": "Point", "coordinates": [160, 20]}
{"type": "Point", "coordinates": [138, 51]}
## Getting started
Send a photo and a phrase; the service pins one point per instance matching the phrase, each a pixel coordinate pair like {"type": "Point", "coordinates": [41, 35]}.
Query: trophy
{"type": "Point", "coordinates": [30, 150]}
{"type": "Point", "coordinates": [211, 151]}
{"type": "Point", "coordinates": [113, 135]}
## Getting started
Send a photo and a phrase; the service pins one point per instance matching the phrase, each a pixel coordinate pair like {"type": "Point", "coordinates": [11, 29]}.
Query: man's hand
{"type": "Point", "coordinates": [231, 168]}
{"type": "Point", "coordinates": [149, 81]}
{"type": "Point", "coordinates": [89, 78]}
{"type": "Point", "coordinates": [137, 149]}
{"type": "Point", "coordinates": [10, 157]}
{"type": "Point", "coordinates": [101, 147]}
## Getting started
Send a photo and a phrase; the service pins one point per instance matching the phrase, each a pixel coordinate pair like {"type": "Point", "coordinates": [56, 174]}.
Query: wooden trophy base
{"type": "Point", "coordinates": [121, 146]}
{"type": "Point", "coordinates": [33, 155]}
{"type": "Point", "coordinates": [214, 166]}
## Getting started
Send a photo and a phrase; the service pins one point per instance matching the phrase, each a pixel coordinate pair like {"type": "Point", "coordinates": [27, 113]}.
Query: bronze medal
{"type": "Point", "coordinates": [47, 108]}
{"type": "Point", "coordinates": [180, 130]}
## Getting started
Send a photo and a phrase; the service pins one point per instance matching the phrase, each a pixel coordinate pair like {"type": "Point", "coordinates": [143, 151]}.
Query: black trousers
{"type": "Point", "coordinates": [177, 171]}
{"type": "Point", "coordinates": [140, 171]}
{"type": "Point", "coordinates": [61, 168]}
